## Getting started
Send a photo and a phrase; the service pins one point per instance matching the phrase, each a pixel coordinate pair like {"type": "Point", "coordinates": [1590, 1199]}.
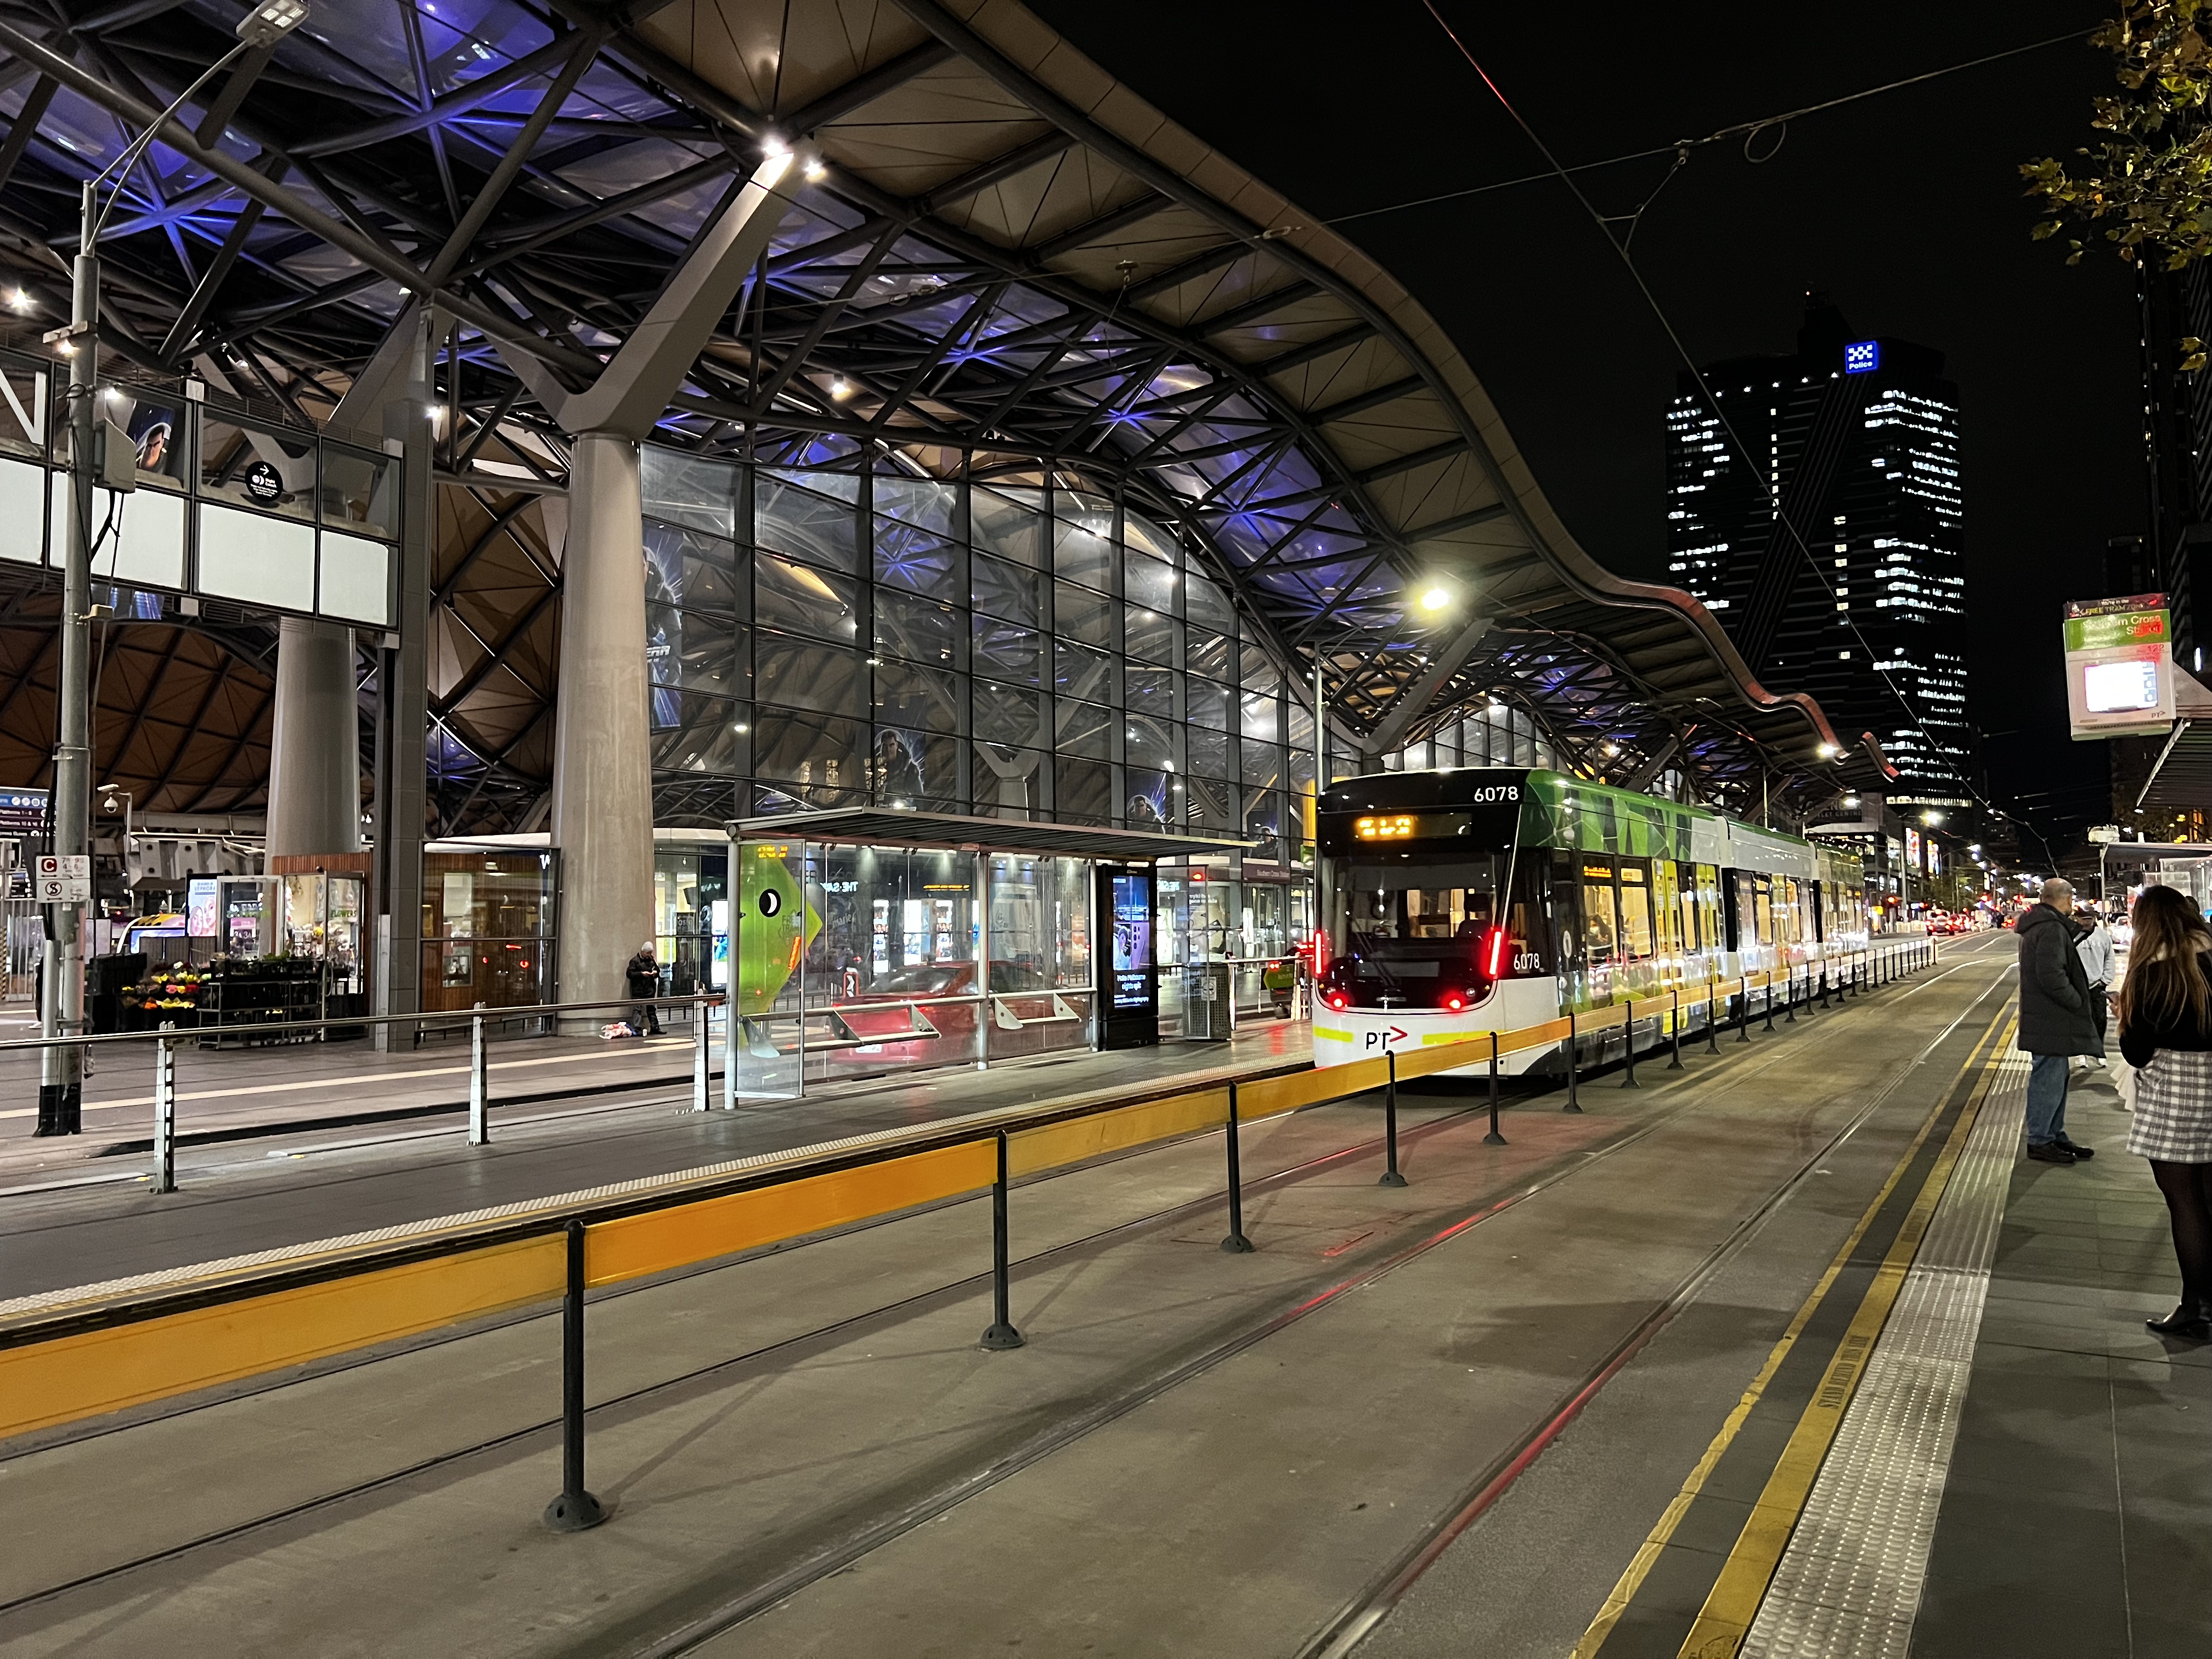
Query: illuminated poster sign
{"type": "Point", "coordinates": [1128, 1002]}
{"type": "Point", "coordinates": [1862, 357]}
{"type": "Point", "coordinates": [201, 919]}
{"type": "Point", "coordinates": [2120, 666]}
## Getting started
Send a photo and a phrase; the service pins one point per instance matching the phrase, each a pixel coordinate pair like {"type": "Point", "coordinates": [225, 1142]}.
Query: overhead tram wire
{"type": "Point", "coordinates": [1682, 147]}
{"type": "Point", "coordinates": [1681, 350]}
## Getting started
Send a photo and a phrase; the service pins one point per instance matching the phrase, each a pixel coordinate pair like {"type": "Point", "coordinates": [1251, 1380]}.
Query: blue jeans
{"type": "Point", "coordinates": [2046, 1098]}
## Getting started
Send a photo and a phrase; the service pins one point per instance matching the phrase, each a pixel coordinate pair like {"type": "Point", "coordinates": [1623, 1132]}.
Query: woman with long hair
{"type": "Point", "coordinates": [2166, 1032]}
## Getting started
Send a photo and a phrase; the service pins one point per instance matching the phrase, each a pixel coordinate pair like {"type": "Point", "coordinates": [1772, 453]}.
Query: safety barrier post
{"type": "Point", "coordinates": [1769, 1001]}
{"type": "Point", "coordinates": [165, 1110]}
{"type": "Point", "coordinates": [1236, 1243]}
{"type": "Point", "coordinates": [1788, 995]}
{"type": "Point", "coordinates": [479, 1082]}
{"type": "Point", "coordinates": [1572, 1105]}
{"type": "Point", "coordinates": [1628, 1043]}
{"type": "Point", "coordinates": [1390, 1176]}
{"type": "Point", "coordinates": [699, 1067]}
{"type": "Point", "coordinates": [575, 1510]}
{"type": "Point", "coordinates": [1743, 1010]}
{"type": "Point", "coordinates": [1674, 1020]}
{"type": "Point", "coordinates": [1002, 1336]}
{"type": "Point", "coordinates": [1493, 1138]}
{"type": "Point", "coordinates": [1824, 984]}
{"type": "Point", "coordinates": [1712, 1014]}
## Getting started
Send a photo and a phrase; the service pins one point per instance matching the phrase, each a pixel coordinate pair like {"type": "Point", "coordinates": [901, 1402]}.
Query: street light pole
{"type": "Point", "coordinates": [61, 1010]}
{"type": "Point", "coordinates": [61, 1070]}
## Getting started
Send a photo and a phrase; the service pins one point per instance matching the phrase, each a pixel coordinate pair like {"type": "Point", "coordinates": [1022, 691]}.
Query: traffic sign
{"type": "Point", "coordinates": [64, 880]}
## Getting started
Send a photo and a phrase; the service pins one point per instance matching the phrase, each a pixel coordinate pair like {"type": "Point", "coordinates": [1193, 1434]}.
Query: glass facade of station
{"type": "Point", "coordinates": [835, 637]}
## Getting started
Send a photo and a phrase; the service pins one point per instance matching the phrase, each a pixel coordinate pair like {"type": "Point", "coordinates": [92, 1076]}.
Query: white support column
{"type": "Point", "coordinates": [602, 770]}
{"type": "Point", "coordinates": [314, 747]}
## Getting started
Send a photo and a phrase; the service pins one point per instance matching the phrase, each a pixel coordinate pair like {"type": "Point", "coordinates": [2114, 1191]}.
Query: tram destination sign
{"type": "Point", "coordinates": [1483, 814]}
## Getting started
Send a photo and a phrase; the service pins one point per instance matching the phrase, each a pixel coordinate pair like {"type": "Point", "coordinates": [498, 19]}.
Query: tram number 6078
{"type": "Point", "coordinates": [1489, 793]}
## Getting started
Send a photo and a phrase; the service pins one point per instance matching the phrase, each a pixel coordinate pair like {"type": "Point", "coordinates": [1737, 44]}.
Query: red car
{"type": "Point", "coordinates": [900, 1034]}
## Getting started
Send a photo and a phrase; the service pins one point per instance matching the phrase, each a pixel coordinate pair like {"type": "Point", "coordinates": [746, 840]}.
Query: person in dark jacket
{"type": "Point", "coordinates": [643, 973]}
{"type": "Point", "coordinates": [2057, 1018]}
{"type": "Point", "coordinates": [2166, 1032]}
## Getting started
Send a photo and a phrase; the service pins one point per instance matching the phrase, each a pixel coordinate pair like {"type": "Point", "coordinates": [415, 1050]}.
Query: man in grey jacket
{"type": "Point", "coordinates": [2057, 1018]}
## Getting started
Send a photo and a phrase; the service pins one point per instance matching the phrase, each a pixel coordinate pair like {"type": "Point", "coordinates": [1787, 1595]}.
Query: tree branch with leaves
{"type": "Point", "coordinates": [2148, 188]}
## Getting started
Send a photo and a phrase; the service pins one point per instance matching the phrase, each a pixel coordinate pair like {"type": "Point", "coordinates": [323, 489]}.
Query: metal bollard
{"type": "Point", "coordinates": [1712, 1015]}
{"type": "Point", "coordinates": [1674, 1020]}
{"type": "Point", "coordinates": [165, 1111]}
{"type": "Point", "coordinates": [1769, 1000]}
{"type": "Point", "coordinates": [1572, 1105]}
{"type": "Point", "coordinates": [479, 1083]}
{"type": "Point", "coordinates": [1236, 1243]}
{"type": "Point", "coordinates": [575, 1510]}
{"type": "Point", "coordinates": [1789, 994]}
{"type": "Point", "coordinates": [1823, 984]}
{"type": "Point", "coordinates": [1002, 1336]}
{"type": "Point", "coordinates": [1628, 1043]}
{"type": "Point", "coordinates": [1390, 1176]}
{"type": "Point", "coordinates": [1743, 1010]}
{"type": "Point", "coordinates": [699, 1067]}
{"type": "Point", "coordinates": [1493, 1138]}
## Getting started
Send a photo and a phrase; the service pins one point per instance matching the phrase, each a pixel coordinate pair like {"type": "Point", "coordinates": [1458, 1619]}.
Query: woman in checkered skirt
{"type": "Point", "coordinates": [2165, 1031]}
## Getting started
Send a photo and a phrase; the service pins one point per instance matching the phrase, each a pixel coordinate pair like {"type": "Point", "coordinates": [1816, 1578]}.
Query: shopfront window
{"type": "Point", "coordinates": [487, 929]}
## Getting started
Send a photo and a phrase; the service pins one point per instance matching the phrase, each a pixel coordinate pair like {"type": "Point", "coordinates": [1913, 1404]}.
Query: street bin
{"type": "Point", "coordinates": [1206, 1002]}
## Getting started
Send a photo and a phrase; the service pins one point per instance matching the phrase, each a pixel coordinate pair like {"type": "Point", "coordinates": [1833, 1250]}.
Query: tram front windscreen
{"type": "Point", "coordinates": [1420, 931]}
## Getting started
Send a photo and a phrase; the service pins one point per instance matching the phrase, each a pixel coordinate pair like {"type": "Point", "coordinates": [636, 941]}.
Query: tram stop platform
{"type": "Point", "coordinates": [1784, 1351]}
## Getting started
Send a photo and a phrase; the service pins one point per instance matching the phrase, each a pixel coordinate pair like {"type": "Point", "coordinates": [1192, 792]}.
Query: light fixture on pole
{"type": "Point", "coordinates": [61, 1007]}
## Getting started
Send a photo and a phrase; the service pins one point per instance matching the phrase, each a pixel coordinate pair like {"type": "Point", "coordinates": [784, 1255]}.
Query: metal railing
{"type": "Point", "coordinates": [77, 1355]}
{"type": "Point", "coordinates": [167, 1039]}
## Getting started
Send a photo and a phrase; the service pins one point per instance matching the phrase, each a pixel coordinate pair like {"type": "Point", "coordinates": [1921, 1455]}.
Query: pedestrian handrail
{"type": "Point", "coordinates": [72, 1355]}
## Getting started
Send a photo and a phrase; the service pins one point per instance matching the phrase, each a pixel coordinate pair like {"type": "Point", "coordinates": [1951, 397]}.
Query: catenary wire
{"type": "Point", "coordinates": [1681, 350]}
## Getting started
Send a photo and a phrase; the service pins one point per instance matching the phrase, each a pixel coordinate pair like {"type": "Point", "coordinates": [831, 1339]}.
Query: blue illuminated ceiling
{"type": "Point", "coordinates": [997, 258]}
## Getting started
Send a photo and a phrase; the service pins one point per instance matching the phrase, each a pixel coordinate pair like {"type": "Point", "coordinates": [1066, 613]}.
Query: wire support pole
{"type": "Point", "coordinates": [575, 1510]}
{"type": "Point", "coordinates": [1390, 1176]}
{"type": "Point", "coordinates": [1236, 1243]}
{"type": "Point", "coordinates": [1002, 1336]}
{"type": "Point", "coordinates": [1493, 1138]}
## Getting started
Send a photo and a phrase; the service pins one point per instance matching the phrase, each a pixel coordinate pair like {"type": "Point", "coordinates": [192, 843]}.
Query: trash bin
{"type": "Point", "coordinates": [1206, 1002]}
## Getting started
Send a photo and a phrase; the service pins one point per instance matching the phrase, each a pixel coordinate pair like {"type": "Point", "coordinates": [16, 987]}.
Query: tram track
{"type": "Point", "coordinates": [1743, 1065]}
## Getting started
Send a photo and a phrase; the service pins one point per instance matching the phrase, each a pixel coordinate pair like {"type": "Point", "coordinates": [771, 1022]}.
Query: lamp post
{"type": "Point", "coordinates": [61, 1011]}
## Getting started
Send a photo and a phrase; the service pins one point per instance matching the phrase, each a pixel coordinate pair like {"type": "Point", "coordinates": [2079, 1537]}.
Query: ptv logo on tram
{"type": "Point", "coordinates": [1388, 1037]}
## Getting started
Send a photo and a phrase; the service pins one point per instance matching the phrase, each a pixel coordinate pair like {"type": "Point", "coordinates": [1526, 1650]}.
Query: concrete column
{"type": "Point", "coordinates": [602, 768]}
{"type": "Point", "coordinates": [314, 749]}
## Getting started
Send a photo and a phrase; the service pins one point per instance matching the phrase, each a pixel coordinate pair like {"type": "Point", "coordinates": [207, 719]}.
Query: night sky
{"type": "Point", "coordinates": [1906, 208]}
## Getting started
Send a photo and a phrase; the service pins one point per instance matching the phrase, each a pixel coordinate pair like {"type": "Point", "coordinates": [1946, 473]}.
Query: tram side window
{"type": "Point", "coordinates": [1601, 929]}
{"type": "Point", "coordinates": [1636, 934]}
{"type": "Point", "coordinates": [1665, 907]}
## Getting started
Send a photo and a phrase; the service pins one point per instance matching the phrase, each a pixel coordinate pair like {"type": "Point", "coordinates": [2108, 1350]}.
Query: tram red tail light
{"type": "Point", "coordinates": [1494, 953]}
{"type": "Point", "coordinates": [1337, 1000]}
{"type": "Point", "coordinates": [1454, 1002]}
{"type": "Point", "coordinates": [1320, 953]}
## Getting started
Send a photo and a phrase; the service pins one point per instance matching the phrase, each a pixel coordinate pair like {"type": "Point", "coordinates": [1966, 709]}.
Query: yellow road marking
{"type": "Point", "coordinates": [1647, 1554]}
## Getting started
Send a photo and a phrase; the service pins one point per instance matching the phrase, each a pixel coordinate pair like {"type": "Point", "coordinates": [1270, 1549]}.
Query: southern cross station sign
{"type": "Point", "coordinates": [2120, 666]}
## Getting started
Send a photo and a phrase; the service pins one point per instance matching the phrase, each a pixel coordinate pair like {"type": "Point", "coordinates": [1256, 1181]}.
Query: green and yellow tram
{"type": "Point", "coordinates": [1493, 899]}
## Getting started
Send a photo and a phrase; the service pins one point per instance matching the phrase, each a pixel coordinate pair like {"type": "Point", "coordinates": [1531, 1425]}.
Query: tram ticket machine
{"type": "Point", "coordinates": [1128, 999]}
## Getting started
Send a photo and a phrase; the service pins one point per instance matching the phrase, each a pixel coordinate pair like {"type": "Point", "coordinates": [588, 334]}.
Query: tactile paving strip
{"type": "Point", "coordinates": [1848, 1585]}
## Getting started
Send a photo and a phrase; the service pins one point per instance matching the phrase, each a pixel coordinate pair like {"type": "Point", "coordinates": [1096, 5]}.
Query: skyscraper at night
{"type": "Point", "coordinates": [1853, 592]}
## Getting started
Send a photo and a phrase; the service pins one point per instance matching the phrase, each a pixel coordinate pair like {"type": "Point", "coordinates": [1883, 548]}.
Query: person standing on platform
{"type": "Point", "coordinates": [2095, 947]}
{"type": "Point", "coordinates": [643, 973]}
{"type": "Point", "coordinates": [2056, 1022]}
{"type": "Point", "coordinates": [2166, 1031]}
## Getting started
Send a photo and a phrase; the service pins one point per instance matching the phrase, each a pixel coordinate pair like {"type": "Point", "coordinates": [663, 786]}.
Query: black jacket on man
{"type": "Point", "coordinates": [644, 974]}
{"type": "Point", "coordinates": [2057, 1014]}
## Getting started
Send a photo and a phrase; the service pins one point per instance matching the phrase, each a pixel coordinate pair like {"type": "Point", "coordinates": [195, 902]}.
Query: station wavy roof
{"type": "Point", "coordinates": [1000, 253]}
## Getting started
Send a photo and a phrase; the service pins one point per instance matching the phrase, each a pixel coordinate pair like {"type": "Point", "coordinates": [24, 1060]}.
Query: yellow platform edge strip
{"type": "Point", "coordinates": [90, 1373]}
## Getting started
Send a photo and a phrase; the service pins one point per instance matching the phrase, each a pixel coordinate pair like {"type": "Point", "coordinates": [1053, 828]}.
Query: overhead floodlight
{"type": "Point", "coordinates": [21, 300]}
{"type": "Point", "coordinates": [271, 20]}
{"type": "Point", "coordinates": [1435, 599]}
{"type": "Point", "coordinates": [1829, 751]}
